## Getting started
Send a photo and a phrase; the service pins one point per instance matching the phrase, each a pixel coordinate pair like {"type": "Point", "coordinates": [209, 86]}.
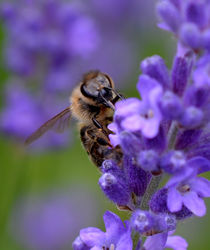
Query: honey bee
{"type": "Point", "coordinates": [92, 104]}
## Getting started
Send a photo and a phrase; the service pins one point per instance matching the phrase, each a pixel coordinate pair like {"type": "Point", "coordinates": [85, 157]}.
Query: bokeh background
{"type": "Point", "coordinates": [49, 191]}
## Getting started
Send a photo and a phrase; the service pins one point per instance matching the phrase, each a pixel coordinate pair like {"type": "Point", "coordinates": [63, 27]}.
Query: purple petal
{"type": "Point", "coordinates": [174, 200]}
{"type": "Point", "coordinates": [169, 14]}
{"type": "Point", "coordinates": [206, 39]}
{"type": "Point", "coordinates": [78, 244]}
{"type": "Point", "coordinates": [200, 164]}
{"type": "Point", "coordinates": [182, 175]}
{"type": "Point", "coordinates": [114, 140]}
{"type": "Point", "coordinates": [155, 67]}
{"type": "Point", "coordinates": [114, 226]}
{"type": "Point", "coordinates": [150, 128]}
{"type": "Point", "coordinates": [157, 143]}
{"type": "Point", "coordinates": [127, 107]}
{"type": "Point", "coordinates": [179, 75]}
{"type": "Point", "coordinates": [156, 242]}
{"type": "Point", "coordinates": [145, 85]}
{"type": "Point", "coordinates": [177, 243]}
{"type": "Point", "coordinates": [92, 236]}
{"type": "Point", "coordinates": [195, 13]}
{"type": "Point", "coordinates": [194, 203]}
{"type": "Point", "coordinates": [132, 123]}
{"type": "Point", "coordinates": [201, 186]}
{"type": "Point", "coordinates": [190, 35]}
{"type": "Point", "coordinates": [125, 242]}
{"type": "Point", "coordinates": [95, 248]}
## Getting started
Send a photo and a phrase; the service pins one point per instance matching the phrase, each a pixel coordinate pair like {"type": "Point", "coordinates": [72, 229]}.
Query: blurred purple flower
{"type": "Point", "coordinates": [57, 36]}
{"type": "Point", "coordinates": [188, 20]}
{"type": "Point", "coordinates": [51, 221]}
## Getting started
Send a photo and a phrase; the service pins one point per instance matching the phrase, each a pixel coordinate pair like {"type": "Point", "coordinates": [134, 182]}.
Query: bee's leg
{"type": "Point", "coordinates": [100, 127]}
{"type": "Point", "coordinates": [100, 140]}
{"type": "Point", "coordinates": [97, 123]}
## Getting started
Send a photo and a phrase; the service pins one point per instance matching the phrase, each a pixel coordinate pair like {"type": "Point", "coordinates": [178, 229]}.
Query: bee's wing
{"type": "Point", "coordinates": [59, 122]}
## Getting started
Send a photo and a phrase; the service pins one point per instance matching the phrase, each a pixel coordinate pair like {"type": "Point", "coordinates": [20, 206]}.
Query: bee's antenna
{"type": "Point", "coordinates": [121, 97]}
{"type": "Point", "coordinates": [108, 103]}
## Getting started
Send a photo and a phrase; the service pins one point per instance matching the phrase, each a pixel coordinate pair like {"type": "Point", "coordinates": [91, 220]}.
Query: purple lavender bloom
{"type": "Point", "coordinates": [144, 222]}
{"type": "Point", "coordinates": [188, 20]}
{"type": "Point", "coordinates": [158, 204]}
{"type": "Point", "coordinates": [169, 102]}
{"type": "Point", "coordinates": [51, 221]}
{"type": "Point", "coordinates": [155, 67]}
{"type": "Point", "coordinates": [115, 188]}
{"type": "Point", "coordinates": [148, 160]}
{"type": "Point", "coordinates": [135, 115]}
{"type": "Point", "coordinates": [23, 114]}
{"type": "Point", "coordinates": [173, 161]}
{"type": "Point", "coordinates": [192, 117]}
{"type": "Point", "coordinates": [137, 178]}
{"type": "Point", "coordinates": [180, 74]}
{"type": "Point", "coordinates": [117, 236]}
{"type": "Point", "coordinates": [188, 192]}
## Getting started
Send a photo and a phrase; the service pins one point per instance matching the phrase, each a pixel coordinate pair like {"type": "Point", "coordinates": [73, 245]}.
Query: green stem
{"type": "Point", "coordinates": [172, 133]}
{"type": "Point", "coordinates": [152, 187]}
{"type": "Point", "coordinates": [135, 237]}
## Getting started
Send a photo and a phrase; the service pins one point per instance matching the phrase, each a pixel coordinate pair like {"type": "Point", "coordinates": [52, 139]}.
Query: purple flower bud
{"type": "Point", "coordinates": [192, 117]}
{"type": "Point", "coordinates": [109, 166]}
{"type": "Point", "coordinates": [114, 188]}
{"type": "Point", "coordinates": [142, 221]}
{"type": "Point", "coordinates": [138, 179]}
{"type": "Point", "coordinates": [201, 72]}
{"type": "Point", "coordinates": [196, 13]}
{"type": "Point", "coordinates": [171, 106]}
{"type": "Point", "coordinates": [197, 96]}
{"type": "Point", "coordinates": [165, 222]}
{"type": "Point", "coordinates": [130, 143]}
{"type": "Point", "coordinates": [206, 39]}
{"type": "Point", "coordinates": [173, 161]}
{"type": "Point", "coordinates": [148, 160]}
{"type": "Point", "coordinates": [158, 143]}
{"type": "Point", "coordinates": [179, 75]}
{"type": "Point", "coordinates": [7, 11]}
{"type": "Point", "coordinates": [155, 67]}
{"type": "Point", "coordinates": [78, 244]}
{"type": "Point", "coordinates": [190, 35]}
{"type": "Point", "coordinates": [169, 14]}
{"type": "Point", "coordinates": [187, 138]}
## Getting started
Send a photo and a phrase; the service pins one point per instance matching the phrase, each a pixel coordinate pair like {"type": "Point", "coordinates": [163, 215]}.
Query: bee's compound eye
{"type": "Point", "coordinates": [90, 90]}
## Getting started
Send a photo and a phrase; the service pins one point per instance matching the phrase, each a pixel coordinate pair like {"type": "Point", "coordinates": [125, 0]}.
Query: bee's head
{"type": "Point", "coordinates": [98, 86]}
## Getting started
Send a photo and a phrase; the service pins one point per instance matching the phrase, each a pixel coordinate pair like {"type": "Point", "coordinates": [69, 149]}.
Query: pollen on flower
{"type": "Point", "coordinates": [150, 113]}
{"type": "Point", "coordinates": [183, 188]}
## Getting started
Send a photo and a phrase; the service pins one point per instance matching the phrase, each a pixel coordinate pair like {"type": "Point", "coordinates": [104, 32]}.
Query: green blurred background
{"type": "Point", "coordinates": [24, 174]}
